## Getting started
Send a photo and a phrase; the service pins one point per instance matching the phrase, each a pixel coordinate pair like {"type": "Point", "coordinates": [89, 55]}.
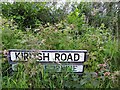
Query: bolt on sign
{"type": "Point", "coordinates": [73, 59]}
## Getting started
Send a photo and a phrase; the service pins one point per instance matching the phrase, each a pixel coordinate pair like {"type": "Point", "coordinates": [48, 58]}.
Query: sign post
{"type": "Point", "coordinates": [66, 58]}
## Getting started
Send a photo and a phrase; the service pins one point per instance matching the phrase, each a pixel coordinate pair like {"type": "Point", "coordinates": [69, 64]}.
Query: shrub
{"type": "Point", "coordinates": [31, 14]}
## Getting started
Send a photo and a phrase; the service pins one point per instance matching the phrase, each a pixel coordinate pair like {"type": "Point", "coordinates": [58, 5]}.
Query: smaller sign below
{"type": "Point", "coordinates": [64, 68]}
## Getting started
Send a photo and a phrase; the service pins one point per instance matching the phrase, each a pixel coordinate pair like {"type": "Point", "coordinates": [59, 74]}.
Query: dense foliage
{"type": "Point", "coordinates": [30, 15]}
{"type": "Point", "coordinates": [102, 68]}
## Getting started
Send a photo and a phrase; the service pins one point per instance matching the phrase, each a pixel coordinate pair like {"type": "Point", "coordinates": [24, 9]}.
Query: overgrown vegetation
{"type": "Point", "coordinates": [72, 32]}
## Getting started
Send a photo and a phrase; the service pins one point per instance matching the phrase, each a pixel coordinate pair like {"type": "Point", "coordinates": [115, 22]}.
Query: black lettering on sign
{"type": "Point", "coordinates": [63, 56]}
{"type": "Point", "coordinates": [57, 68]}
{"type": "Point", "coordinates": [69, 57]}
{"type": "Point", "coordinates": [76, 57]}
{"type": "Point", "coordinates": [46, 56]}
{"type": "Point", "coordinates": [62, 67]}
{"type": "Point", "coordinates": [75, 68]}
{"type": "Point", "coordinates": [45, 67]}
{"type": "Point", "coordinates": [32, 55]}
{"type": "Point", "coordinates": [57, 56]}
{"type": "Point", "coordinates": [22, 54]}
{"type": "Point", "coordinates": [17, 55]}
{"type": "Point", "coordinates": [25, 56]}
{"type": "Point", "coordinates": [39, 56]}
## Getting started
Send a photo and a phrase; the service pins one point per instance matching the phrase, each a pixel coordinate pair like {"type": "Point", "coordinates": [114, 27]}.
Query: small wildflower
{"type": "Point", "coordinates": [104, 65]}
{"type": "Point", "coordinates": [106, 73]}
{"type": "Point", "coordinates": [95, 74]}
{"type": "Point", "coordinates": [43, 41]}
{"type": "Point", "coordinates": [100, 65]}
{"type": "Point", "coordinates": [5, 52]}
{"type": "Point", "coordinates": [37, 57]}
{"type": "Point", "coordinates": [30, 84]}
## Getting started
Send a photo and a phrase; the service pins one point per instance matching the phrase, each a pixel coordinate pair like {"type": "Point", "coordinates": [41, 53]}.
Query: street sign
{"type": "Point", "coordinates": [65, 67]}
{"type": "Point", "coordinates": [67, 58]}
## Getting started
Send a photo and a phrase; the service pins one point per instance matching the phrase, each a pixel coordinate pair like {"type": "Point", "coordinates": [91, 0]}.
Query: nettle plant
{"type": "Point", "coordinates": [103, 77]}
